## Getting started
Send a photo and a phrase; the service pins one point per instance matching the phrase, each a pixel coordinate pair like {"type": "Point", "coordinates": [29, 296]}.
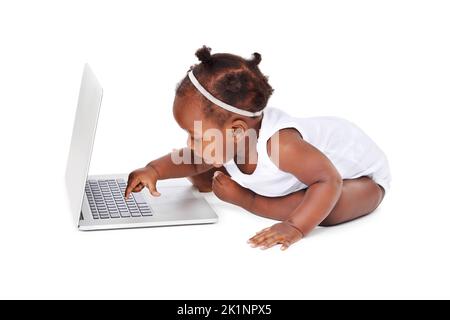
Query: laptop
{"type": "Point", "coordinates": [97, 202]}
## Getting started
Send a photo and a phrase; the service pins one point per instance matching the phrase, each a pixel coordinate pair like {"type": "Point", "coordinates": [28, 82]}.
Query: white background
{"type": "Point", "coordinates": [382, 64]}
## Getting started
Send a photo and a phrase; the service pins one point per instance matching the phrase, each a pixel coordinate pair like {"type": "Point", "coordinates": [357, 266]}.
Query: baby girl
{"type": "Point", "coordinates": [303, 172]}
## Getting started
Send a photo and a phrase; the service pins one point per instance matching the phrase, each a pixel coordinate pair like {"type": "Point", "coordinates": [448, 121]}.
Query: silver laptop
{"type": "Point", "coordinates": [98, 203]}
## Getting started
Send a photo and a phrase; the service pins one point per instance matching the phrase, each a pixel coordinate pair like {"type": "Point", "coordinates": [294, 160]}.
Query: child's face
{"type": "Point", "coordinates": [206, 137]}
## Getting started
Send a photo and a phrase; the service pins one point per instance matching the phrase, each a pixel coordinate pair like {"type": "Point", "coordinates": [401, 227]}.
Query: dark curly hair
{"type": "Point", "coordinates": [230, 78]}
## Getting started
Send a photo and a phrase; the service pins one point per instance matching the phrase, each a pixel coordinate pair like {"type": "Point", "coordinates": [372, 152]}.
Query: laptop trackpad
{"type": "Point", "coordinates": [176, 200]}
{"type": "Point", "coordinates": [170, 194]}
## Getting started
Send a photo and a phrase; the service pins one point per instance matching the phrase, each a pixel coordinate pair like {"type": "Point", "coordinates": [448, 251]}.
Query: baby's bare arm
{"type": "Point", "coordinates": [277, 208]}
{"type": "Point", "coordinates": [314, 169]}
{"type": "Point", "coordinates": [167, 168]}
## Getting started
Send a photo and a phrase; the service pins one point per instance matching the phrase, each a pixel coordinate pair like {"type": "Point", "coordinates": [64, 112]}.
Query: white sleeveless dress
{"type": "Point", "coordinates": [352, 152]}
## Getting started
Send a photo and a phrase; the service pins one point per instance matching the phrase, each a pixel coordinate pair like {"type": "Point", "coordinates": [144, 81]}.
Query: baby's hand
{"type": "Point", "coordinates": [280, 233]}
{"type": "Point", "coordinates": [141, 178]}
{"type": "Point", "coordinates": [226, 189]}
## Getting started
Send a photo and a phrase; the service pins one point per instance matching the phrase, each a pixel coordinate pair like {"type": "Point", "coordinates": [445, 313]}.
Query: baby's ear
{"type": "Point", "coordinates": [238, 132]}
{"type": "Point", "coordinates": [239, 124]}
{"type": "Point", "coordinates": [239, 128]}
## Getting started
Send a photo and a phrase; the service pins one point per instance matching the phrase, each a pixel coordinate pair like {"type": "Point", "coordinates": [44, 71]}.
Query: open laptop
{"type": "Point", "coordinates": [98, 203]}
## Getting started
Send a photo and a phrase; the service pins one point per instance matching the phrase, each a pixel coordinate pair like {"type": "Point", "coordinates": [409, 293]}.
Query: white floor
{"type": "Point", "coordinates": [393, 253]}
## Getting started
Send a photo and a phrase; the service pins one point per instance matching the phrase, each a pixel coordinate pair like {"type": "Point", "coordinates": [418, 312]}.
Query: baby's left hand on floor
{"type": "Point", "coordinates": [280, 233]}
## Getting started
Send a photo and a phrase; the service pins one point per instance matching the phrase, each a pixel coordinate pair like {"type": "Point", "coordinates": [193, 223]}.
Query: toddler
{"type": "Point", "coordinates": [303, 172]}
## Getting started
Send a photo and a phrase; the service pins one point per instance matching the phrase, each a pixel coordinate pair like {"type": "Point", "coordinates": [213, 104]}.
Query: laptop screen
{"type": "Point", "coordinates": [86, 117]}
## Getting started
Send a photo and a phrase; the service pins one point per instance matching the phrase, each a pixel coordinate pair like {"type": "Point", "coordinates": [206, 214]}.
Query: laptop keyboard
{"type": "Point", "coordinates": [106, 200]}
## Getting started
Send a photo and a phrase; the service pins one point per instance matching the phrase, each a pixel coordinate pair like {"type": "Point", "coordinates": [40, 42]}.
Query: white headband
{"type": "Point", "coordinates": [219, 103]}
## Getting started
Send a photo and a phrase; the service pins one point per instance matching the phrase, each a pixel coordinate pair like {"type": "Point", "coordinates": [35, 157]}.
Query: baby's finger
{"type": "Point", "coordinates": [285, 245]}
{"type": "Point", "coordinates": [259, 236]}
{"type": "Point", "coordinates": [153, 191]}
{"type": "Point", "coordinates": [255, 237]}
{"type": "Point", "coordinates": [218, 176]}
{"type": "Point", "coordinates": [132, 183]}
{"type": "Point", "coordinates": [138, 188]}
{"type": "Point", "coordinates": [269, 243]}
{"type": "Point", "coordinates": [263, 230]}
{"type": "Point", "coordinates": [258, 239]}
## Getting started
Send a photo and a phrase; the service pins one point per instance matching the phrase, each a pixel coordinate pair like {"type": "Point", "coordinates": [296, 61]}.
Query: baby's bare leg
{"type": "Point", "coordinates": [278, 208]}
{"type": "Point", "coordinates": [359, 197]}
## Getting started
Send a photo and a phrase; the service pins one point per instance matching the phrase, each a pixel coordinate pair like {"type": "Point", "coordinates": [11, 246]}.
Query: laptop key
{"type": "Point", "coordinates": [106, 200]}
{"type": "Point", "coordinates": [139, 197]}
{"type": "Point", "coordinates": [125, 214]}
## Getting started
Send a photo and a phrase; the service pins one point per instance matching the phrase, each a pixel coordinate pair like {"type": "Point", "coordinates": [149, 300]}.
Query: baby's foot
{"type": "Point", "coordinates": [229, 190]}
